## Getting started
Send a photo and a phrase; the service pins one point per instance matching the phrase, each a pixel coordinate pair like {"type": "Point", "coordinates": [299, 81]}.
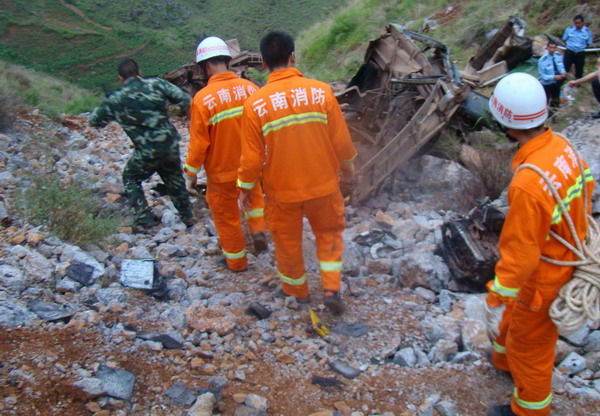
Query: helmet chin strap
{"type": "Point", "coordinates": [504, 130]}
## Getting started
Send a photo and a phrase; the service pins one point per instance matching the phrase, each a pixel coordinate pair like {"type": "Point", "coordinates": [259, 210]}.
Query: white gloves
{"type": "Point", "coordinates": [190, 184]}
{"type": "Point", "coordinates": [493, 316]}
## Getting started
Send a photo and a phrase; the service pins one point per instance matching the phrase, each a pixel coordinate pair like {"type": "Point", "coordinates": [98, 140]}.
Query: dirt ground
{"type": "Point", "coordinates": [47, 357]}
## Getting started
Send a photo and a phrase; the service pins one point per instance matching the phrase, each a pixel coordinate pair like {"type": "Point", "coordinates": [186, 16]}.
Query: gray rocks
{"type": "Point", "coordinates": [423, 268]}
{"type": "Point", "coordinates": [579, 338]}
{"type": "Point", "coordinates": [49, 311]}
{"type": "Point", "coordinates": [182, 395]}
{"type": "Point", "coordinates": [406, 357]}
{"type": "Point", "coordinates": [14, 313]}
{"type": "Point", "coordinates": [474, 336]}
{"type": "Point", "coordinates": [256, 402]}
{"type": "Point", "coordinates": [118, 383]}
{"type": "Point", "coordinates": [92, 386]}
{"type": "Point", "coordinates": [443, 351]}
{"type": "Point", "coordinates": [203, 406]}
{"type": "Point", "coordinates": [354, 329]}
{"type": "Point", "coordinates": [75, 254]}
{"type": "Point", "coordinates": [573, 363]}
{"type": "Point", "coordinates": [344, 368]}
{"type": "Point", "coordinates": [12, 278]}
{"type": "Point", "coordinates": [81, 273]}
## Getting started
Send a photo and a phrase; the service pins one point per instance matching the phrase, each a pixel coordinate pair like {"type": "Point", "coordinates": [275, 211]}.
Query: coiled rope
{"type": "Point", "coordinates": [579, 299]}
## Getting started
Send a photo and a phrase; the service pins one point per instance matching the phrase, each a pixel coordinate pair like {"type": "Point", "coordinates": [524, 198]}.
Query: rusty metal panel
{"type": "Point", "coordinates": [426, 123]}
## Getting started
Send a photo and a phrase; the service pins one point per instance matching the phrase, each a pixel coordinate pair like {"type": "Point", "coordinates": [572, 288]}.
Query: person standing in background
{"type": "Point", "coordinates": [295, 137]}
{"type": "Point", "coordinates": [215, 143]}
{"type": "Point", "coordinates": [577, 37]}
{"type": "Point", "coordinates": [552, 74]}
{"type": "Point", "coordinates": [141, 108]}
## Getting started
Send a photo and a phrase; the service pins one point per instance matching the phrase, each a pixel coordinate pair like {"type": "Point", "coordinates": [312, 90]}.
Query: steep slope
{"type": "Point", "coordinates": [81, 40]}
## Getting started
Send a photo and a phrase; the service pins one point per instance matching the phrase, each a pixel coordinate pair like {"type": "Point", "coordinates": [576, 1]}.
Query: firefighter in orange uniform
{"type": "Point", "coordinates": [215, 142]}
{"type": "Point", "coordinates": [525, 285]}
{"type": "Point", "coordinates": [293, 133]}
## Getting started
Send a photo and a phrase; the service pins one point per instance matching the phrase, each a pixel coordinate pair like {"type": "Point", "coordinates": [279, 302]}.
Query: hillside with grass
{"type": "Point", "coordinates": [81, 40]}
{"type": "Point", "coordinates": [334, 49]}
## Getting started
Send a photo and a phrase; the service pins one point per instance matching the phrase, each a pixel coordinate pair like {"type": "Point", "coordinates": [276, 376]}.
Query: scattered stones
{"type": "Point", "coordinates": [182, 395]}
{"type": "Point", "coordinates": [256, 402]}
{"type": "Point", "coordinates": [118, 383]}
{"type": "Point", "coordinates": [422, 268]}
{"type": "Point", "coordinates": [258, 311]}
{"type": "Point", "coordinates": [92, 386]}
{"type": "Point", "coordinates": [326, 381]}
{"type": "Point", "coordinates": [352, 329]}
{"type": "Point", "coordinates": [203, 319]}
{"type": "Point", "coordinates": [344, 369]}
{"type": "Point", "coordinates": [81, 273]}
{"type": "Point", "coordinates": [198, 328]}
{"type": "Point", "coordinates": [573, 364]}
{"type": "Point", "coordinates": [166, 340]}
{"type": "Point", "coordinates": [49, 311]}
{"type": "Point", "coordinates": [406, 357]}
{"type": "Point", "coordinates": [203, 406]}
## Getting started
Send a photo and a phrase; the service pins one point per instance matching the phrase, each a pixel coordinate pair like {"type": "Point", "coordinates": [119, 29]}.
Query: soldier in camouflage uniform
{"type": "Point", "coordinates": [140, 107]}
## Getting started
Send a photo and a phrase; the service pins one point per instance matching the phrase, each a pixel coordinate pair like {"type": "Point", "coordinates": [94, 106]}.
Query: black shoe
{"type": "Point", "coordinates": [260, 242]}
{"type": "Point", "coordinates": [595, 115]}
{"type": "Point", "coordinates": [333, 301]}
{"type": "Point", "coordinates": [145, 225]}
{"type": "Point", "coordinates": [222, 262]}
{"type": "Point", "coordinates": [500, 411]}
{"type": "Point", "coordinates": [188, 221]}
{"type": "Point", "coordinates": [303, 301]}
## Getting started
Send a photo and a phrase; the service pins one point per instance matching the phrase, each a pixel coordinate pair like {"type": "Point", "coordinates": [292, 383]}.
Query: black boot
{"type": "Point", "coordinates": [500, 411]}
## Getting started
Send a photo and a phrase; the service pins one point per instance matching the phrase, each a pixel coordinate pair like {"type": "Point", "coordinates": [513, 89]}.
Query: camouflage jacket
{"type": "Point", "coordinates": [140, 107]}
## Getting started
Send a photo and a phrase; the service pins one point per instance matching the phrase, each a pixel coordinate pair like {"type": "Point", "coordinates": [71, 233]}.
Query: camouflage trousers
{"type": "Point", "coordinates": [140, 167]}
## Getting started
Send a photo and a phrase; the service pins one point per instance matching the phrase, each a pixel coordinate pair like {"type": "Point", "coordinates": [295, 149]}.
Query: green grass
{"type": "Point", "coordinates": [47, 36]}
{"type": "Point", "coordinates": [52, 96]}
{"type": "Point", "coordinates": [71, 212]}
{"type": "Point", "coordinates": [334, 49]}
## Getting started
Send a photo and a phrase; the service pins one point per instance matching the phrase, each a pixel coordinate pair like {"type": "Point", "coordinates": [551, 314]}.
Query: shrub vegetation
{"type": "Point", "coordinates": [50, 95]}
{"type": "Point", "coordinates": [71, 212]}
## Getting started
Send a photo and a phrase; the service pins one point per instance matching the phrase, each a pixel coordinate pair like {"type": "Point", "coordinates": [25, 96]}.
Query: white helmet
{"type": "Point", "coordinates": [211, 47]}
{"type": "Point", "coordinates": [519, 102]}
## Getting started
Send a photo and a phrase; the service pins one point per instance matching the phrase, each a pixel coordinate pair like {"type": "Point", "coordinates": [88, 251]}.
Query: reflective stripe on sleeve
{"type": "Point", "coordinates": [532, 405]}
{"type": "Point", "coordinates": [245, 185]}
{"type": "Point", "coordinates": [191, 169]}
{"type": "Point", "coordinates": [294, 282]}
{"type": "Point", "coordinates": [303, 118]}
{"type": "Point", "coordinates": [500, 349]}
{"type": "Point", "coordinates": [330, 266]}
{"type": "Point", "coordinates": [254, 213]}
{"type": "Point", "coordinates": [234, 256]}
{"type": "Point", "coordinates": [351, 159]}
{"type": "Point", "coordinates": [224, 115]}
{"type": "Point", "coordinates": [507, 292]}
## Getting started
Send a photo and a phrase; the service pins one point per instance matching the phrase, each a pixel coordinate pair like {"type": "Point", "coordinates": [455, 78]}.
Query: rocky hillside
{"type": "Point", "coordinates": [204, 341]}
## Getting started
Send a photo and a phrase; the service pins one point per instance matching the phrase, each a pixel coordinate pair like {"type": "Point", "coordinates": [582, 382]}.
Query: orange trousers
{"type": "Point", "coordinates": [525, 347]}
{"type": "Point", "coordinates": [326, 218]}
{"type": "Point", "coordinates": [222, 199]}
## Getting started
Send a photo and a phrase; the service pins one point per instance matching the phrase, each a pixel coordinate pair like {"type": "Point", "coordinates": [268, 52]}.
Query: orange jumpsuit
{"type": "Point", "coordinates": [294, 134]}
{"type": "Point", "coordinates": [215, 142]}
{"type": "Point", "coordinates": [524, 282]}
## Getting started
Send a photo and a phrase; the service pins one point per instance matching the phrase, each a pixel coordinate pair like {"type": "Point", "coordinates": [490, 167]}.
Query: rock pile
{"type": "Point", "coordinates": [410, 344]}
